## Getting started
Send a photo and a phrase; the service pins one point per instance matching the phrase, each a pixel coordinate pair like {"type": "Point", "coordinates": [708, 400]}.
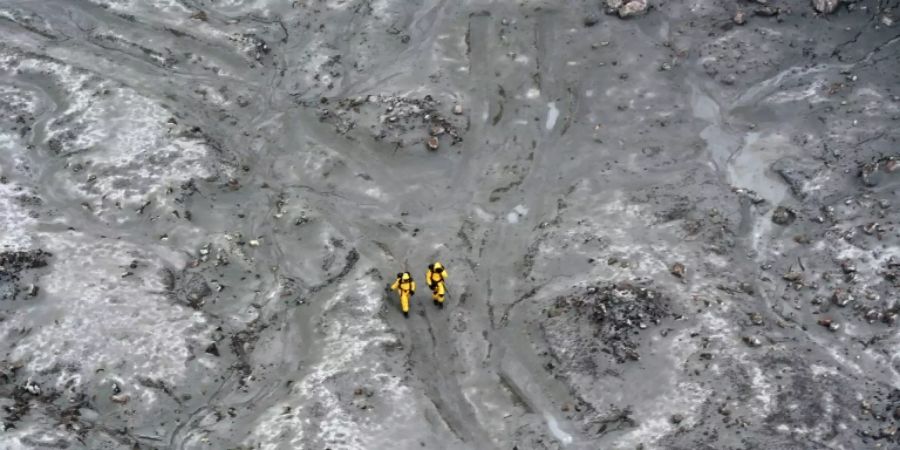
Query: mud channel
{"type": "Point", "coordinates": [668, 224]}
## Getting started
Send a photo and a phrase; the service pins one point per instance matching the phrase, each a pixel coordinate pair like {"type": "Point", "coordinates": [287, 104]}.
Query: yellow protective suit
{"type": "Point", "coordinates": [405, 286]}
{"type": "Point", "coordinates": [435, 276]}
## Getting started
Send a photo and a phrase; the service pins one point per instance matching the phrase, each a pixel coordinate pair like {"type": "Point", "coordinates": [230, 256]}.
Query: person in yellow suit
{"type": "Point", "coordinates": [406, 287]}
{"type": "Point", "coordinates": [435, 277]}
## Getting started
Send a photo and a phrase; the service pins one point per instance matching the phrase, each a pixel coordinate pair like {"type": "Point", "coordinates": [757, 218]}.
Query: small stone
{"type": "Point", "coordinates": [870, 228]}
{"type": "Point", "coordinates": [887, 21]}
{"type": "Point", "coordinates": [432, 143]}
{"type": "Point", "coordinates": [457, 109]}
{"type": "Point", "coordinates": [724, 410]}
{"type": "Point", "coordinates": [888, 431]}
{"type": "Point", "coordinates": [633, 8]}
{"type": "Point", "coordinates": [591, 20]}
{"type": "Point", "coordinates": [677, 418]}
{"type": "Point", "coordinates": [825, 6]}
{"type": "Point", "coordinates": [212, 349]}
{"type": "Point", "coordinates": [253, 243]}
{"type": "Point", "coordinates": [437, 130]}
{"type": "Point", "coordinates": [793, 276]}
{"type": "Point", "coordinates": [33, 388]}
{"type": "Point", "coordinates": [33, 290]}
{"type": "Point", "coordinates": [783, 216]}
{"type": "Point", "coordinates": [119, 398]}
{"type": "Point", "coordinates": [739, 18]}
{"type": "Point", "coordinates": [873, 315]}
{"type": "Point", "coordinates": [678, 270]}
{"type": "Point", "coordinates": [897, 413]}
{"type": "Point", "coordinates": [752, 341]}
{"type": "Point", "coordinates": [766, 11]}
{"type": "Point", "coordinates": [841, 297]}
{"type": "Point", "coordinates": [756, 319]}
{"type": "Point", "coordinates": [848, 267]}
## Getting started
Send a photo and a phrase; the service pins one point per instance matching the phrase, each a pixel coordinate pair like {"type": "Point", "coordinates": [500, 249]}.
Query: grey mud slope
{"type": "Point", "coordinates": [672, 231]}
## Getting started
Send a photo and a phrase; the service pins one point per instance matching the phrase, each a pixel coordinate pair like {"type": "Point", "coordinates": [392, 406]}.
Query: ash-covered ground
{"type": "Point", "coordinates": [668, 225]}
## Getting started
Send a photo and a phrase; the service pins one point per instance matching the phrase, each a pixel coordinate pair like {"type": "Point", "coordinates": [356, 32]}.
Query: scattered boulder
{"type": "Point", "coordinates": [678, 270]}
{"type": "Point", "coordinates": [830, 324]}
{"type": "Point", "coordinates": [739, 18]}
{"type": "Point", "coordinates": [627, 8]}
{"type": "Point", "coordinates": [841, 297]}
{"type": "Point", "coordinates": [752, 341]}
{"type": "Point", "coordinates": [432, 143]}
{"type": "Point", "coordinates": [848, 267]}
{"type": "Point", "coordinates": [18, 261]}
{"type": "Point", "coordinates": [783, 216]}
{"type": "Point", "coordinates": [825, 6]}
{"type": "Point", "coordinates": [617, 313]}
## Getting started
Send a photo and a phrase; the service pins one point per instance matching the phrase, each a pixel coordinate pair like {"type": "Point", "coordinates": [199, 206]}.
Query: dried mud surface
{"type": "Point", "coordinates": [667, 224]}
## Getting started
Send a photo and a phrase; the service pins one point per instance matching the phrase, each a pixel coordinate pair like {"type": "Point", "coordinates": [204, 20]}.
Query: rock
{"type": "Point", "coordinates": [432, 143]}
{"type": "Point", "coordinates": [825, 6]}
{"type": "Point", "coordinates": [677, 270]}
{"type": "Point", "coordinates": [752, 341]}
{"type": "Point", "coordinates": [848, 267]}
{"type": "Point", "coordinates": [793, 276]}
{"type": "Point", "coordinates": [830, 324]}
{"type": "Point", "coordinates": [591, 20]}
{"type": "Point", "coordinates": [627, 8]}
{"type": "Point", "coordinates": [457, 109]}
{"type": "Point", "coordinates": [756, 319]}
{"type": "Point", "coordinates": [766, 11]}
{"type": "Point", "coordinates": [841, 297]}
{"type": "Point", "coordinates": [739, 18]}
{"type": "Point", "coordinates": [33, 290]}
{"type": "Point", "coordinates": [783, 216]}
{"type": "Point", "coordinates": [888, 431]}
{"type": "Point", "coordinates": [437, 130]}
{"type": "Point", "coordinates": [633, 8]}
{"type": "Point", "coordinates": [796, 173]}
{"type": "Point", "coordinates": [33, 388]}
{"type": "Point", "coordinates": [897, 413]}
{"type": "Point", "coordinates": [254, 242]}
{"type": "Point", "coordinates": [872, 174]}
{"type": "Point", "coordinates": [873, 315]}
{"type": "Point", "coordinates": [678, 418]}
{"type": "Point", "coordinates": [196, 290]}
{"type": "Point", "coordinates": [120, 398]}
{"type": "Point", "coordinates": [212, 349]}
